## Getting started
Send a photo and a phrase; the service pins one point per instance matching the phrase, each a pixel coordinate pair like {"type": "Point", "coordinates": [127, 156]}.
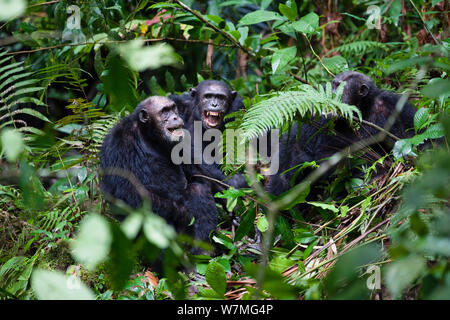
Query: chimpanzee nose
{"type": "Point", "coordinates": [214, 104]}
{"type": "Point", "coordinates": [177, 120]}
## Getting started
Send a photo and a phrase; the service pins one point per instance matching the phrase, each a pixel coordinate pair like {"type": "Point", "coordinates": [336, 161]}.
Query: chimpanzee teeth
{"type": "Point", "coordinates": [212, 113]}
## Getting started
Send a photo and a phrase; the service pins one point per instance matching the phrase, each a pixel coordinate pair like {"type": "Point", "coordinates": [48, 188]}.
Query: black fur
{"type": "Point", "coordinates": [141, 149]}
{"type": "Point", "coordinates": [192, 107]}
{"type": "Point", "coordinates": [317, 141]}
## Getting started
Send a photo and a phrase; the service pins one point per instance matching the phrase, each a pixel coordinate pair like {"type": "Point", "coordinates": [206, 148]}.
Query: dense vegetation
{"type": "Point", "coordinates": [69, 73]}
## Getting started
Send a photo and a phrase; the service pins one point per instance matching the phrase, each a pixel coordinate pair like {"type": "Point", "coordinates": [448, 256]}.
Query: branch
{"type": "Point", "coordinates": [424, 24]}
{"type": "Point", "coordinates": [115, 41]}
{"type": "Point", "coordinates": [296, 77]}
{"type": "Point", "coordinates": [222, 32]}
{"type": "Point", "coordinates": [373, 125]}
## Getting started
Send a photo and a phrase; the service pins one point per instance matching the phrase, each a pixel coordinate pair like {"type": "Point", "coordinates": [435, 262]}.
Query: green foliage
{"type": "Point", "coordinates": [284, 106]}
{"type": "Point", "coordinates": [63, 89]}
{"type": "Point", "coordinates": [54, 285]}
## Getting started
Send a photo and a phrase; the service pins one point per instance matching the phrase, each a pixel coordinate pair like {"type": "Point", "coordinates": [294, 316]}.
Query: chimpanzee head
{"type": "Point", "coordinates": [159, 120]}
{"type": "Point", "coordinates": [359, 89]}
{"type": "Point", "coordinates": [213, 100]}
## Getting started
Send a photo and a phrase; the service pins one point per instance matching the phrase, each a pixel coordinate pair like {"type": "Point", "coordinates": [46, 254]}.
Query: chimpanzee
{"type": "Point", "coordinates": [317, 141]}
{"type": "Point", "coordinates": [375, 105]}
{"type": "Point", "coordinates": [208, 103]}
{"type": "Point", "coordinates": [141, 146]}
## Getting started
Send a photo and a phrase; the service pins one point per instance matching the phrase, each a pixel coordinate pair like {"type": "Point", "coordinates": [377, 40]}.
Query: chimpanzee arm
{"type": "Point", "coordinates": [200, 204]}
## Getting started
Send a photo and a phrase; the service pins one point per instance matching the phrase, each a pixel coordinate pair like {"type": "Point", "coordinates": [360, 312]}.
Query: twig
{"type": "Point", "coordinates": [424, 24]}
{"type": "Point", "coordinates": [114, 41]}
{"type": "Point", "coordinates": [128, 175]}
{"type": "Point", "coordinates": [228, 186]}
{"type": "Point", "coordinates": [318, 57]}
{"type": "Point", "coordinates": [373, 125]}
{"type": "Point", "coordinates": [222, 32]}
{"type": "Point", "coordinates": [43, 3]}
{"type": "Point", "coordinates": [296, 77]}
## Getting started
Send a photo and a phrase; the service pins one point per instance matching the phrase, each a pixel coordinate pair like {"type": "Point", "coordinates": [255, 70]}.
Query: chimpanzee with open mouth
{"type": "Point", "coordinates": [209, 102]}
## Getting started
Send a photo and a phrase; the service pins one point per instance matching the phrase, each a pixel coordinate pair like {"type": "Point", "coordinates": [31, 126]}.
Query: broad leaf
{"type": "Point", "coordinates": [307, 24]}
{"type": "Point", "coordinates": [93, 242]}
{"type": "Point", "coordinates": [216, 277]}
{"type": "Point", "coordinates": [259, 16]}
{"type": "Point", "coordinates": [54, 285]}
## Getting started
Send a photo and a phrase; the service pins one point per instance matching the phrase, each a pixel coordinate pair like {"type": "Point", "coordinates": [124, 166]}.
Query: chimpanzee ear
{"type": "Point", "coordinates": [233, 95]}
{"type": "Point", "coordinates": [143, 116]}
{"type": "Point", "coordinates": [193, 92]}
{"type": "Point", "coordinates": [363, 90]}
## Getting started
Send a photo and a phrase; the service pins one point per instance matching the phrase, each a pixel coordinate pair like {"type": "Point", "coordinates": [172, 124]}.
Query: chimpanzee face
{"type": "Point", "coordinates": [213, 101]}
{"type": "Point", "coordinates": [357, 87]}
{"type": "Point", "coordinates": [160, 115]}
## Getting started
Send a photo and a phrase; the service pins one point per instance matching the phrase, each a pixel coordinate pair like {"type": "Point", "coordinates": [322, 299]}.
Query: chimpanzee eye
{"type": "Point", "coordinates": [165, 111]}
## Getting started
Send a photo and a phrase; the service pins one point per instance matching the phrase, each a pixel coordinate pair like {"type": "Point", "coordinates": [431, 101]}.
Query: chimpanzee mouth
{"type": "Point", "coordinates": [177, 132]}
{"type": "Point", "coordinates": [212, 118]}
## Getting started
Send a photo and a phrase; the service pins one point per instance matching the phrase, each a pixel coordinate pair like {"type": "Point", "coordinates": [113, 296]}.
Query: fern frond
{"type": "Point", "coordinates": [82, 110]}
{"type": "Point", "coordinates": [281, 108]}
{"type": "Point", "coordinates": [14, 92]}
{"type": "Point", "coordinates": [100, 129]}
{"type": "Point", "coordinates": [359, 47]}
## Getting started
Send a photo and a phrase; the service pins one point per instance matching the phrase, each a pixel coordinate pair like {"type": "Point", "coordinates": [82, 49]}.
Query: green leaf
{"type": "Point", "coordinates": [403, 148]}
{"type": "Point", "coordinates": [395, 11]}
{"type": "Point", "coordinates": [93, 242]}
{"type": "Point", "coordinates": [259, 16]}
{"type": "Point", "coordinates": [418, 226]}
{"type": "Point", "coordinates": [281, 58]}
{"type": "Point", "coordinates": [401, 273]}
{"type": "Point", "coordinates": [336, 64]}
{"type": "Point", "coordinates": [246, 224]}
{"type": "Point", "coordinates": [54, 285]}
{"type": "Point", "coordinates": [216, 277]}
{"type": "Point", "coordinates": [421, 118]}
{"type": "Point", "coordinates": [344, 210]}
{"type": "Point", "coordinates": [121, 258]}
{"type": "Point", "coordinates": [307, 24]}
{"type": "Point", "coordinates": [12, 144]}
{"type": "Point", "coordinates": [264, 3]}
{"type": "Point", "coordinates": [280, 263]}
{"type": "Point", "coordinates": [140, 57]}
{"type": "Point", "coordinates": [132, 225]}
{"type": "Point", "coordinates": [325, 206]}
{"type": "Point", "coordinates": [435, 131]}
{"type": "Point", "coordinates": [403, 64]}
{"type": "Point", "coordinates": [158, 232]}
{"type": "Point", "coordinates": [262, 224]}
{"type": "Point", "coordinates": [11, 9]}
{"type": "Point", "coordinates": [243, 31]}
{"type": "Point", "coordinates": [289, 11]}
{"type": "Point", "coordinates": [170, 82]}
{"type": "Point", "coordinates": [436, 88]}
{"type": "Point", "coordinates": [30, 112]}
{"type": "Point", "coordinates": [121, 93]}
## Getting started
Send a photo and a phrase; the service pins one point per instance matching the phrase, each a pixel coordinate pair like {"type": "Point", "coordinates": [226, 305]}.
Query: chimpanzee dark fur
{"type": "Point", "coordinates": [317, 142]}
{"type": "Point", "coordinates": [141, 145]}
{"type": "Point", "coordinates": [376, 106]}
{"type": "Point", "coordinates": [209, 102]}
